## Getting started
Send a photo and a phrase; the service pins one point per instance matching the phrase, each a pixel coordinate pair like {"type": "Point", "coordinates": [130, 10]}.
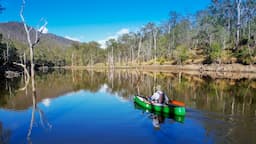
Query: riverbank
{"type": "Point", "coordinates": [224, 71]}
{"type": "Point", "coordinates": [229, 71]}
{"type": "Point", "coordinates": [191, 67]}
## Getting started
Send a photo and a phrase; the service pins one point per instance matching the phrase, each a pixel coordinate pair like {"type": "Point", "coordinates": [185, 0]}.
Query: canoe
{"type": "Point", "coordinates": [176, 118]}
{"type": "Point", "coordinates": [160, 108]}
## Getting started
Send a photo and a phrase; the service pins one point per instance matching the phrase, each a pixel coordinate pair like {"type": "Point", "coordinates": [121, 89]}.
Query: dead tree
{"type": "Point", "coordinates": [31, 44]}
{"type": "Point", "coordinates": [43, 120]}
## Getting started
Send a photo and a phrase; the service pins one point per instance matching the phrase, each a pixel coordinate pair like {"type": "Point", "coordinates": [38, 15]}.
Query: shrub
{"type": "Point", "coordinates": [181, 53]}
{"type": "Point", "coordinates": [161, 60]}
{"type": "Point", "coordinates": [243, 56]}
{"type": "Point", "coordinates": [215, 52]}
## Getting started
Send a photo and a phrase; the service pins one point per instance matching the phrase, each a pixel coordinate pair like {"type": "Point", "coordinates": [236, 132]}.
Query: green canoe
{"type": "Point", "coordinates": [160, 108]}
{"type": "Point", "coordinates": [176, 118]}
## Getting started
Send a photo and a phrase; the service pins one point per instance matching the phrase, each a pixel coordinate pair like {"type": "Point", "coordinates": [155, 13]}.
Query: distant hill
{"type": "Point", "coordinates": [17, 34]}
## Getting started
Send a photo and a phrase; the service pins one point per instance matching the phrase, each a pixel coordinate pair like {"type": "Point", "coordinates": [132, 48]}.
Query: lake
{"type": "Point", "coordinates": [97, 107]}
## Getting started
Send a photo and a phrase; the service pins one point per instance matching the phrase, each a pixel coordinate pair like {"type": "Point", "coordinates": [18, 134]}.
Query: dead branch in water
{"type": "Point", "coordinates": [27, 74]}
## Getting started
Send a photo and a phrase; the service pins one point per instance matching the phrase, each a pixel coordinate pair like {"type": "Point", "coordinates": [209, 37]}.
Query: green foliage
{"type": "Point", "coordinates": [215, 52]}
{"type": "Point", "coordinates": [181, 53]}
{"type": "Point", "coordinates": [161, 60]}
{"type": "Point", "coordinates": [244, 56]}
{"type": "Point", "coordinates": [150, 62]}
{"type": "Point", "coordinates": [162, 45]}
{"type": "Point", "coordinates": [210, 35]}
{"type": "Point", "coordinates": [12, 52]}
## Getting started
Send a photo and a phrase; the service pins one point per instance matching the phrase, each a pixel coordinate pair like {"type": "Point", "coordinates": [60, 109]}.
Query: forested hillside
{"type": "Point", "coordinates": [14, 42]}
{"type": "Point", "coordinates": [223, 33]}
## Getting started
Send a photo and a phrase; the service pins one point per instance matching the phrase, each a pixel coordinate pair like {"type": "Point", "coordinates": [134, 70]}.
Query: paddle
{"type": "Point", "coordinates": [177, 103]}
{"type": "Point", "coordinates": [173, 102]}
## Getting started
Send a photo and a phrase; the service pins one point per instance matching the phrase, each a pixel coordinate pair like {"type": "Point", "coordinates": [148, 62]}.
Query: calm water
{"type": "Point", "coordinates": [97, 107]}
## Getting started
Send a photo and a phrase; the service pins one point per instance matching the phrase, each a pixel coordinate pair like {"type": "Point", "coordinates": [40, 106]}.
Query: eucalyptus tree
{"type": "Point", "coordinates": [124, 48]}
{"type": "Point", "coordinates": [111, 47]}
{"type": "Point", "coordinates": [95, 53]}
{"type": "Point", "coordinates": [250, 13]}
{"type": "Point", "coordinates": [150, 32]}
{"type": "Point", "coordinates": [228, 12]}
{"type": "Point", "coordinates": [172, 22]}
{"type": "Point", "coordinates": [140, 37]}
{"type": "Point", "coordinates": [238, 24]}
{"type": "Point", "coordinates": [130, 43]}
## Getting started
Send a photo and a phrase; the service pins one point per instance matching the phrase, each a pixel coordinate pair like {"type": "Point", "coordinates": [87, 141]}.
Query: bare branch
{"type": "Point", "coordinates": [43, 120]}
{"type": "Point", "coordinates": [32, 117]}
{"type": "Point", "coordinates": [26, 71]}
{"type": "Point", "coordinates": [40, 30]}
{"type": "Point", "coordinates": [24, 22]}
{"type": "Point", "coordinates": [30, 47]}
{"type": "Point", "coordinates": [30, 29]}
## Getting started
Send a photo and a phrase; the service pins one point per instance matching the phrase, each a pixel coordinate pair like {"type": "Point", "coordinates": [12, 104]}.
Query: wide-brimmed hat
{"type": "Point", "coordinates": [158, 88]}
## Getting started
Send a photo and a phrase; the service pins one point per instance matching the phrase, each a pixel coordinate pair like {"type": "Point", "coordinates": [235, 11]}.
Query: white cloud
{"type": "Point", "coordinates": [73, 38]}
{"type": "Point", "coordinates": [102, 43]}
{"type": "Point", "coordinates": [115, 36]}
{"type": "Point", "coordinates": [103, 88]}
{"type": "Point", "coordinates": [123, 31]}
{"type": "Point", "coordinates": [46, 102]}
{"type": "Point", "coordinates": [43, 29]}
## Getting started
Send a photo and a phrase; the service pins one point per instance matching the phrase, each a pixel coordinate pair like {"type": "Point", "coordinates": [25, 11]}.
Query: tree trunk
{"type": "Point", "coordinates": [30, 44]}
{"type": "Point", "coordinates": [139, 48]}
{"type": "Point", "coordinates": [169, 36]}
{"type": "Point", "coordinates": [30, 48]}
{"type": "Point", "coordinates": [249, 31]}
{"type": "Point", "coordinates": [72, 60]}
{"type": "Point", "coordinates": [112, 58]}
{"type": "Point", "coordinates": [24, 63]}
{"type": "Point", "coordinates": [132, 55]}
{"type": "Point", "coordinates": [154, 38]}
{"type": "Point", "coordinates": [7, 49]}
{"type": "Point", "coordinates": [238, 2]}
{"type": "Point", "coordinates": [32, 69]}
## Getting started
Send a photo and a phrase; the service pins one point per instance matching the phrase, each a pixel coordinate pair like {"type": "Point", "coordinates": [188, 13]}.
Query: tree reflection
{"type": "Point", "coordinates": [225, 96]}
{"type": "Point", "coordinates": [200, 92]}
{"type": "Point", "coordinates": [8, 89]}
{"type": "Point", "coordinates": [5, 135]}
{"type": "Point", "coordinates": [43, 120]}
{"type": "Point", "coordinates": [224, 99]}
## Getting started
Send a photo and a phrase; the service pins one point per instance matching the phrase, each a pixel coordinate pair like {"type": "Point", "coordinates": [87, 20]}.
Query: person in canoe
{"type": "Point", "coordinates": [159, 96]}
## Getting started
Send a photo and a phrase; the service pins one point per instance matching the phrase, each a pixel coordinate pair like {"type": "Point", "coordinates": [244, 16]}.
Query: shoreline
{"type": "Point", "coordinates": [236, 68]}
{"type": "Point", "coordinates": [225, 71]}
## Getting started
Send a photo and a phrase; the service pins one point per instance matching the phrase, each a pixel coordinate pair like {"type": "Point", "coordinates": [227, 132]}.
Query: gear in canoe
{"type": "Point", "coordinates": [161, 108]}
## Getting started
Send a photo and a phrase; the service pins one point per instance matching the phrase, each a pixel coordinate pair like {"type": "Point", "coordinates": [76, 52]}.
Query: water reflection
{"type": "Point", "coordinates": [43, 120]}
{"type": "Point", "coordinates": [223, 107]}
{"type": "Point", "coordinates": [5, 135]}
{"type": "Point", "coordinates": [159, 118]}
{"type": "Point", "coordinates": [227, 96]}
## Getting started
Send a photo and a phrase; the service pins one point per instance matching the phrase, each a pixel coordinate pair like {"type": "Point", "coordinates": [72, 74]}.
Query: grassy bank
{"type": "Point", "coordinates": [187, 67]}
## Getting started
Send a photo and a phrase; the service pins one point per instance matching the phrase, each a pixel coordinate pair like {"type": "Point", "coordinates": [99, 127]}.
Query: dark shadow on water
{"type": "Point", "coordinates": [5, 135]}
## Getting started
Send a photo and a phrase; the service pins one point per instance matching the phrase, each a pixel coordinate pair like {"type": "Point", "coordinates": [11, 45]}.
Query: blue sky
{"type": "Point", "coordinates": [97, 20]}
